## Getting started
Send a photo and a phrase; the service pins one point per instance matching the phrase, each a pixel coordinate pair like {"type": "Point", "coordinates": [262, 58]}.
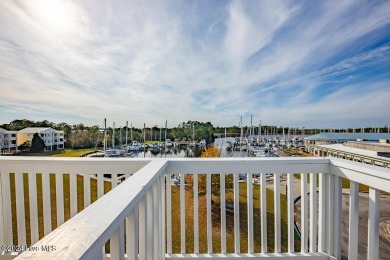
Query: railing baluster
{"type": "Point", "coordinates": [59, 198]}
{"type": "Point", "coordinates": [114, 180]}
{"type": "Point", "coordinates": [313, 212]}
{"type": "Point", "coordinates": [304, 211]}
{"type": "Point", "coordinates": [20, 213]}
{"type": "Point", "coordinates": [7, 211]}
{"type": "Point", "coordinates": [223, 214]}
{"type": "Point", "coordinates": [196, 214]}
{"type": "Point", "coordinates": [2, 242]}
{"type": "Point", "coordinates": [290, 209]}
{"type": "Point", "coordinates": [263, 212]}
{"type": "Point", "coordinates": [87, 190]}
{"type": "Point", "coordinates": [236, 214]}
{"type": "Point", "coordinates": [100, 185]}
{"type": "Point", "coordinates": [132, 235]}
{"type": "Point", "coordinates": [149, 223]}
{"type": "Point", "coordinates": [158, 238]}
{"type": "Point", "coordinates": [163, 250]}
{"type": "Point", "coordinates": [373, 224]}
{"type": "Point", "coordinates": [330, 220]}
{"type": "Point", "coordinates": [182, 215]}
{"type": "Point", "coordinates": [337, 217]}
{"type": "Point", "coordinates": [142, 211]}
{"type": "Point", "coordinates": [73, 194]}
{"type": "Point", "coordinates": [117, 244]}
{"type": "Point", "coordinates": [322, 212]}
{"type": "Point", "coordinates": [156, 216]}
{"type": "Point", "coordinates": [169, 213]}
{"type": "Point", "coordinates": [209, 225]}
{"type": "Point", "coordinates": [46, 203]}
{"type": "Point", "coordinates": [353, 220]}
{"type": "Point", "coordinates": [250, 213]}
{"type": "Point", "coordinates": [32, 193]}
{"type": "Point", "coordinates": [277, 213]}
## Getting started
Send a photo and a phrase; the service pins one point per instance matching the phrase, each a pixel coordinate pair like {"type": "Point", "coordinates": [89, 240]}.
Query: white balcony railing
{"type": "Point", "coordinates": [146, 217]}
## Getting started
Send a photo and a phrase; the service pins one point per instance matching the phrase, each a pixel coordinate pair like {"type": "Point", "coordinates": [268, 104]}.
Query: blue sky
{"type": "Point", "coordinates": [292, 63]}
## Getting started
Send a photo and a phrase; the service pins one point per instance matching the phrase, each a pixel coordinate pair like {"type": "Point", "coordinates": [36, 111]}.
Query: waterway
{"type": "Point", "coordinates": [190, 152]}
{"type": "Point", "coordinates": [174, 152]}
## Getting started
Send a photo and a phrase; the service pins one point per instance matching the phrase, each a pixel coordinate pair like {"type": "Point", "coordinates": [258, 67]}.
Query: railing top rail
{"type": "Point", "coordinates": [370, 175]}
{"type": "Point", "coordinates": [248, 165]}
{"type": "Point", "coordinates": [26, 164]}
{"type": "Point", "coordinates": [83, 236]}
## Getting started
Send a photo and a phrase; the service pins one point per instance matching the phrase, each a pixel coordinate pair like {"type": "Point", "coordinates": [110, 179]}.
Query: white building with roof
{"type": "Point", "coordinates": [8, 141]}
{"type": "Point", "coordinates": [370, 148]}
{"type": "Point", "coordinates": [53, 139]}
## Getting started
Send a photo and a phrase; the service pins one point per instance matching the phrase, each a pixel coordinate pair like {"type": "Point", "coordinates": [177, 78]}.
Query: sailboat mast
{"type": "Point", "coordinates": [166, 124]}
{"type": "Point", "coordinates": [120, 135]}
{"type": "Point", "coordinates": [105, 135]}
{"type": "Point", "coordinates": [259, 133]}
{"type": "Point", "coordinates": [144, 133]}
{"type": "Point", "coordinates": [113, 135]}
{"type": "Point", "coordinates": [241, 134]}
{"type": "Point", "coordinates": [127, 128]}
{"type": "Point", "coordinates": [131, 131]}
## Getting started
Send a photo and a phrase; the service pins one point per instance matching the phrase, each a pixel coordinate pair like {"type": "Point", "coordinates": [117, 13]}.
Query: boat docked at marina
{"type": "Point", "coordinates": [134, 147]}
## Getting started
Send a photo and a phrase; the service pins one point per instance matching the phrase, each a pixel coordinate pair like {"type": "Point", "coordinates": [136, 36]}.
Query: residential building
{"type": "Point", "coordinates": [8, 141]}
{"type": "Point", "coordinates": [53, 139]}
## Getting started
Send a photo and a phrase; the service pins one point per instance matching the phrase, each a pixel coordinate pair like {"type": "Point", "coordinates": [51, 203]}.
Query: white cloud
{"type": "Point", "coordinates": [151, 60]}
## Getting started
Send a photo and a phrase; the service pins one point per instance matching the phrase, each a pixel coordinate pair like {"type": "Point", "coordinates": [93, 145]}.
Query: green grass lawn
{"type": "Point", "coordinates": [345, 183]}
{"type": "Point", "coordinates": [59, 153]}
{"type": "Point", "coordinates": [175, 215]}
{"type": "Point", "coordinates": [216, 225]}
{"type": "Point", "coordinates": [80, 201]}
{"type": "Point", "coordinates": [74, 152]}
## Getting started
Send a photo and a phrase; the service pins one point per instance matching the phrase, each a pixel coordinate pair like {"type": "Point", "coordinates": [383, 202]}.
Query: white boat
{"type": "Point", "coordinates": [135, 146]}
{"type": "Point", "coordinates": [153, 146]}
{"type": "Point", "coordinates": [229, 145]}
{"type": "Point", "coordinates": [202, 142]}
{"type": "Point", "coordinates": [168, 143]}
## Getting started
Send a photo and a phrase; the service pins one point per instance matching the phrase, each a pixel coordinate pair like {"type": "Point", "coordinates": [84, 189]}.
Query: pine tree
{"type": "Point", "coordinates": [37, 144]}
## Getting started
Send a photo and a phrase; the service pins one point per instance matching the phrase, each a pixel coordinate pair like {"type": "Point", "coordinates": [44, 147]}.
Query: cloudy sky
{"type": "Point", "coordinates": [291, 63]}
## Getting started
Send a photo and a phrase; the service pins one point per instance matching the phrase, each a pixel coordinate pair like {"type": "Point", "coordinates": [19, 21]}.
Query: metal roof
{"type": "Point", "coordinates": [2, 130]}
{"type": "Point", "coordinates": [362, 152]}
{"type": "Point", "coordinates": [33, 130]}
{"type": "Point", "coordinates": [349, 136]}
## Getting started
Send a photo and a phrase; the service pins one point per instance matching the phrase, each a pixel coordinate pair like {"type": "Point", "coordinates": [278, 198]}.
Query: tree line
{"type": "Point", "coordinates": [82, 136]}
